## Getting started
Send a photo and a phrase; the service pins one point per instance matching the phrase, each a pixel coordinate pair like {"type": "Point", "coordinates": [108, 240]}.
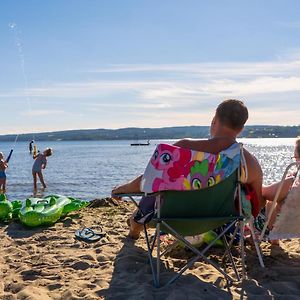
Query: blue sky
{"type": "Point", "coordinates": [111, 64]}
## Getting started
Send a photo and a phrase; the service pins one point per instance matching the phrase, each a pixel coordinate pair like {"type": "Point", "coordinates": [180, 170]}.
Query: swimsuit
{"type": "Point", "coordinates": [39, 161]}
{"type": "Point", "coordinates": [2, 175]}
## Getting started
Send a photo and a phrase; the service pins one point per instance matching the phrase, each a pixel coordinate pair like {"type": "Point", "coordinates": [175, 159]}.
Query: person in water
{"type": "Point", "coordinates": [269, 191]}
{"type": "Point", "coordinates": [40, 162]}
{"type": "Point", "coordinates": [3, 167]}
{"type": "Point", "coordinates": [226, 125]}
{"type": "Point", "coordinates": [31, 146]}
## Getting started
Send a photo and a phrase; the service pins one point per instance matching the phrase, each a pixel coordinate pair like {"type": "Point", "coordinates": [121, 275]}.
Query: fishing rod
{"type": "Point", "coordinates": [18, 42]}
{"type": "Point", "coordinates": [12, 149]}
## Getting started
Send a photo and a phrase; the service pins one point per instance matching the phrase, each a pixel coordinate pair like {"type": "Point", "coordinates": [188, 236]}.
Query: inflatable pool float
{"type": "Point", "coordinates": [5, 208]}
{"type": "Point", "coordinates": [39, 211]}
{"type": "Point", "coordinates": [9, 210]}
{"type": "Point", "coordinates": [46, 211]}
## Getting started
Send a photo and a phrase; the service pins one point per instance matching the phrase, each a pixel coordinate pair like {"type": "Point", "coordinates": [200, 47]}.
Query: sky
{"type": "Point", "coordinates": [75, 64]}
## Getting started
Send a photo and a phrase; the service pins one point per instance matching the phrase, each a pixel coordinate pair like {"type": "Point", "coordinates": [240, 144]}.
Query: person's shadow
{"type": "Point", "coordinates": [278, 280]}
{"type": "Point", "coordinates": [132, 279]}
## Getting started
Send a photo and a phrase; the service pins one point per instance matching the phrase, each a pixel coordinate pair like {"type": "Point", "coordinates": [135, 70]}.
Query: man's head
{"type": "Point", "coordinates": [232, 114]}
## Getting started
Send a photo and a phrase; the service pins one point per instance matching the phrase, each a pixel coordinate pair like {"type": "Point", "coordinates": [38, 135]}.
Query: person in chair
{"type": "Point", "coordinates": [227, 123]}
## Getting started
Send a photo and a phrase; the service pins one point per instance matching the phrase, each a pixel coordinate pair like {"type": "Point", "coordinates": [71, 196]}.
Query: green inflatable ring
{"type": "Point", "coordinates": [6, 208]}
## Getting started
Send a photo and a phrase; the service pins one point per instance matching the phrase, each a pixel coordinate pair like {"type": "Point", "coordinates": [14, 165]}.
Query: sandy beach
{"type": "Point", "coordinates": [50, 263]}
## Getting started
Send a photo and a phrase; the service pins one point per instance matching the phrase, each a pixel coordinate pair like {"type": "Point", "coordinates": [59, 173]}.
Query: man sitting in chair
{"type": "Point", "coordinates": [226, 125]}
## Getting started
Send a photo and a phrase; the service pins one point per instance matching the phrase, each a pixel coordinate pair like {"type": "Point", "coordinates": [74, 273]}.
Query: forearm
{"type": "Point", "coordinates": [182, 143]}
{"type": "Point", "coordinates": [133, 186]}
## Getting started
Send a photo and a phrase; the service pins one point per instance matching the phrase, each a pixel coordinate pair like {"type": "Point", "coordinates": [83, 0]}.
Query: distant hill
{"type": "Point", "coordinates": [257, 131]}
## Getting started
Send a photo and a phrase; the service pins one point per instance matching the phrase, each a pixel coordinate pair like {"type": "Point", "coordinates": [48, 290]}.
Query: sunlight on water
{"type": "Point", "coordinates": [89, 169]}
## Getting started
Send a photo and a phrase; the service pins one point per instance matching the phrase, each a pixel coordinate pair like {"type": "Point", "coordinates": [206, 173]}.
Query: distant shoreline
{"type": "Point", "coordinates": [136, 134]}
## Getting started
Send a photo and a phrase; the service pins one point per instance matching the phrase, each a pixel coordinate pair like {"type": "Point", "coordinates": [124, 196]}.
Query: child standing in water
{"type": "Point", "coordinates": [3, 166]}
{"type": "Point", "coordinates": [39, 164]}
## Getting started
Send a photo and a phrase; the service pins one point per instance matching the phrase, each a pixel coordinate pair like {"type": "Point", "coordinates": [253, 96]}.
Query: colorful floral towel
{"type": "Point", "coordinates": [175, 168]}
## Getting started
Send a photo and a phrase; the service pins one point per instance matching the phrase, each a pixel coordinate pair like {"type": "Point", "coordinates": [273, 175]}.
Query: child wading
{"type": "Point", "coordinates": [39, 164]}
{"type": "Point", "coordinates": [3, 166]}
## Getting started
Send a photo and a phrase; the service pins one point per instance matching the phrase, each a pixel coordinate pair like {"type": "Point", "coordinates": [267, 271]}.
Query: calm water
{"type": "Point", "coordinates": [89, 169]}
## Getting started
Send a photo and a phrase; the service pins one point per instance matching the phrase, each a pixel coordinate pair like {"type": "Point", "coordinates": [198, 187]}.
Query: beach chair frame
{"type": "Point", "coordinates": [180, 213]}
{"type": "Point", "coordinates": [263, 235]}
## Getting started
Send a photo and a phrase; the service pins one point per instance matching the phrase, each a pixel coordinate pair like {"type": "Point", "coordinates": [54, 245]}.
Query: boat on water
{"type": "Point", "coordinates": [140, 144]}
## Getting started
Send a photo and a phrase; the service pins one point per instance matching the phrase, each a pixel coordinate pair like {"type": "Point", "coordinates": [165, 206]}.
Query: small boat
{"type": "Point", "coordinates": [140, 144]}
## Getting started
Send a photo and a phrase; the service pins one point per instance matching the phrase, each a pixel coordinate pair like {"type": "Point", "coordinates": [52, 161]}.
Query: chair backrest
{"type": "Point", "coordinates": [198, 188]}
{"type": "Point", "coordinates": [214, 201]}
{"type": "Point", "coordinates": [196, 212]}
{"type": "Point", "coordinates": [180, 169]}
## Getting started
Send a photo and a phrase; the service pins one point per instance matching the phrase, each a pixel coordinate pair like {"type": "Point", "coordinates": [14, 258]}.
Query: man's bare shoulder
{"type": "Point", "coordinates": [250, 157]}
{"type": "Point", "coordinates": [197, 145]}
{"type": "Point", "coordinates": [214, 145]}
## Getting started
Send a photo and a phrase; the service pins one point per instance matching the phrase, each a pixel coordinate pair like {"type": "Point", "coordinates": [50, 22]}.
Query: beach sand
{"type": "Point", "coordinates": [50, 263]}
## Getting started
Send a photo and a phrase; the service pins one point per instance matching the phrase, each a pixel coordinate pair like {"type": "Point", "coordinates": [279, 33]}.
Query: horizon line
{"type": "Point", "coordinates": [132, 127]}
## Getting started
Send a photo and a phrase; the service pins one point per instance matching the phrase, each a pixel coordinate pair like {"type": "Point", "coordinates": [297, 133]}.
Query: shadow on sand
{"type": "Point", "coordinates": [131, 266]}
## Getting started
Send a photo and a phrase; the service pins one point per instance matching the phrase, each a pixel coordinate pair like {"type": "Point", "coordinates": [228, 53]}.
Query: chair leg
{"type": "Point", "coordinates": [150, 249]}
{"type": "Point", "coordinates": [230, 258]}
{"type": "Point", "coordinates": [198, 253]}
{"type": "Point", "coordinates": [158, 253]}
{"type": "Point", "coordinates": [242, 245]}
{"type": "Point", "coordinates": [256, 244]}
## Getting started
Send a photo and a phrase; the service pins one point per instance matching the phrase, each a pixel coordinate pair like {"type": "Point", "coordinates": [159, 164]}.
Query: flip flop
{"type": "Point", "coordinates": [89, 235]}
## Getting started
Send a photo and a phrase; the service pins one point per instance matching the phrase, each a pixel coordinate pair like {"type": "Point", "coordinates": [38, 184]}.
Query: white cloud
{"type": "Point", "coordinates": [178, 81]}
{"type": "Point", "coordinates": [36, 112]}
{"type": "Point", "coordinates": [171, 94]}
{"type": "Point", "coordinates": [215, 69]}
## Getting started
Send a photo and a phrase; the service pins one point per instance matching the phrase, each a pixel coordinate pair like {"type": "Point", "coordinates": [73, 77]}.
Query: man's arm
{"type": "Point", "coordinates": [255, 176]}
{"type": "Point", "coordinates": [133, 186]}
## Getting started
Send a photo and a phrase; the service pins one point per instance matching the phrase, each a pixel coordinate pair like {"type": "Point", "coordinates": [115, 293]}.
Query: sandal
{"type": "Point", "coordinates": [89, 235]}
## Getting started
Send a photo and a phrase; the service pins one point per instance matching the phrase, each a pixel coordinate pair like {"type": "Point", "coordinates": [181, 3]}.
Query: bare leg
{"type": "Point", "coordinates": [273, 218]}
{"type": "Point", "coordinates": [40, 174]}
{"type": "Point", "coordinates": [135, 228]}
{"type": "Point", "coordinates": [269, 193]}
{"type": "Point", "coordinates": [1, 184]}
{"type": "Point", "coordinates": [34, 175]}
{"type": "Point", "coordinates": [131, 187]}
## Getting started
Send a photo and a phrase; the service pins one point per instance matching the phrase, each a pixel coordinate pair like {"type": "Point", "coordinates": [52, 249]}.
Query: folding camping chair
{"type": "Point", "coordinates": [194, 212]}
{"type": "Point", "coordinates": [286, 225]}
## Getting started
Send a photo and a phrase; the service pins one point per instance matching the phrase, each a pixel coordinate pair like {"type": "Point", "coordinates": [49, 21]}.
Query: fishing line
{"type": "Point", "coordinates": [14, 29]}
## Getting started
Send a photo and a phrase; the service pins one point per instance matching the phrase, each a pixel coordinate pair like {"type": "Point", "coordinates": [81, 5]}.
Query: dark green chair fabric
{"type": "Point", "coordinates": [196, 212]}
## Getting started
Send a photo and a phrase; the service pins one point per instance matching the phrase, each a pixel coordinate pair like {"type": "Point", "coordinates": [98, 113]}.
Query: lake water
{"type": "Point", "coordinates": [89, 169]}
